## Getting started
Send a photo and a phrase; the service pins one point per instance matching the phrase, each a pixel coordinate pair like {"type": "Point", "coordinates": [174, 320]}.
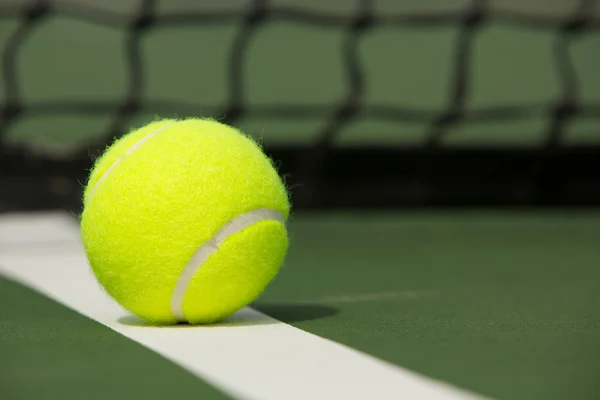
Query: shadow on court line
{"type": "Point", "coordinates": [279, 312]}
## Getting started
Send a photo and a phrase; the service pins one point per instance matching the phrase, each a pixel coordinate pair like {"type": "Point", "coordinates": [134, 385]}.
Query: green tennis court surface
{"type": "Point", "coordinates": [501, 304]}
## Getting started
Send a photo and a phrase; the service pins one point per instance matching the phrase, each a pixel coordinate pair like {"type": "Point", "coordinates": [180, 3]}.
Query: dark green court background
{"type": "Point", "coordinates": [50, 352]}
{"type": "Point", "coordinates": [509, 305]}
{"type": "Point", "coordinates": [505, 304]}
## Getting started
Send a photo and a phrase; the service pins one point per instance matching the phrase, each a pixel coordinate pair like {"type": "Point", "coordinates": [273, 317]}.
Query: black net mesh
{"type": "Point", "coordinates": [324, 165]}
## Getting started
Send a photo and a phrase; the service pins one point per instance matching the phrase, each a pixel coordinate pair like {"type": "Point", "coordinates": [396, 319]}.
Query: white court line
{"type": "Point", "coordinates": [252, 357]}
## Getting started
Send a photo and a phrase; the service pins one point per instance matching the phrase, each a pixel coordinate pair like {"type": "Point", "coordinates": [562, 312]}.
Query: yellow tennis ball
{"type": "Point", "coordinates": [184, 221]}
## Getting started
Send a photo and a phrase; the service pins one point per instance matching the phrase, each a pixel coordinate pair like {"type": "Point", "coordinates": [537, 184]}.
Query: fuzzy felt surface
{"type": "Point", "coordinates": [151, 208]}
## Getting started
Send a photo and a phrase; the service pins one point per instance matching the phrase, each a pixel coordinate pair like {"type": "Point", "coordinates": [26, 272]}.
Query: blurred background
{"type": "Point", "coordinates": [362, 103]}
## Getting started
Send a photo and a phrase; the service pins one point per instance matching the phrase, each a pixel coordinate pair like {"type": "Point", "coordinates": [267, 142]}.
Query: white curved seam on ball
{"type": "Point", "coordinates": [210, 247]}
{"type": "Point", "coordinates": [128, 152]}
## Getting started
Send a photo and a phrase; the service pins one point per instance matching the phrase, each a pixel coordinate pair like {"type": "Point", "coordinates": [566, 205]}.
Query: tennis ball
{"type": "Point", "coordinates": [184, 221]}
